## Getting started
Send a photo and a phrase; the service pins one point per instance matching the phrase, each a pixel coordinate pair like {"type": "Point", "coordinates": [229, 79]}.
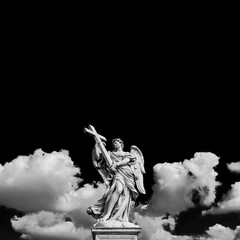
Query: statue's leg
{"type": "Point", "coordinates": [113, 200]}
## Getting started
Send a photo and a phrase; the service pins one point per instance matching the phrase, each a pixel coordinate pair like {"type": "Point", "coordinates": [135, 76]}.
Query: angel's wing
{"type": "Point", "coordinates": [138, 168]}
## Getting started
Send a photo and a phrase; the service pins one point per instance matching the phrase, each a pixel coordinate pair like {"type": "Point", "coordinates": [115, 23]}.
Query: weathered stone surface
{"type": "Point", "coordinates": [115, 233]}
{"type": "Point", "coordinates": [114, 224]}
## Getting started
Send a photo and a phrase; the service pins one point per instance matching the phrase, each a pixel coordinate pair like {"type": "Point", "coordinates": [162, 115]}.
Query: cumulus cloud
{"type": "Point", "coordinates": [45, 186]}
{"type": "Point", "coordinates": [152, 227]}
{"type": "Point", "coordinates": [230, 203]}
{"type": "Point", "coordinates": [47, 182]}
{"type": "Point", "coordinates": [179, 186]}
{"type": "Point", "coordinates": [202, 168]}
{"type": "Point", "coordinates": [237, 230]}
{"type": "Point", "coordinates": [219, 232]}
{"type": "Point", "coordinates": [76, 203]}
{"type": "Point", "coordinates": [34, 183]}
{"type": "Point", "coordinates": [234, 167]}
{"type": "Point", "coordinates": [49, 226]}
{"type": "Point", "coordinates": [44, 181]}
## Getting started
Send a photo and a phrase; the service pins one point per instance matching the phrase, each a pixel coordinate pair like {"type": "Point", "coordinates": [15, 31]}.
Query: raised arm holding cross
{"type": "Point", "coordinates": [98, 138]}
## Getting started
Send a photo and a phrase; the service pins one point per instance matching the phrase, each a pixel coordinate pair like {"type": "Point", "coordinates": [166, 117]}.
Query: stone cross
{"type": "Point", "coordinates": [98, 138]}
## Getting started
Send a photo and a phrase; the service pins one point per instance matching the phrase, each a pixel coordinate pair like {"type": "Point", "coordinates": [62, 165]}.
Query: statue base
{"type": "Point", "coordinates": [115, 233]}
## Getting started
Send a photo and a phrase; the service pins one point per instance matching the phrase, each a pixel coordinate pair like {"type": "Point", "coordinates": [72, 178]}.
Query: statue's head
{"type": "Point", "coordinates": [115, 141]}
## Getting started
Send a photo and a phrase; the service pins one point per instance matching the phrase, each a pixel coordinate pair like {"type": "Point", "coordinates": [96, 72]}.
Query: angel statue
{"type": "Point", "coordinates": [122, 173]}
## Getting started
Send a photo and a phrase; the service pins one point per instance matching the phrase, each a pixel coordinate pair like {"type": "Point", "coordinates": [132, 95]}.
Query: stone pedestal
{"type": "Point", "coordinates": [115, 233]}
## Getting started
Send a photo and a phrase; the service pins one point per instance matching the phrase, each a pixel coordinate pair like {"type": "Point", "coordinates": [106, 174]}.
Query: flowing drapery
{"type": "Point", "coordinates": [126, 198]}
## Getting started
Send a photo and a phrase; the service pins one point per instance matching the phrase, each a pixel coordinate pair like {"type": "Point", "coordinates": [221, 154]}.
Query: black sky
{"type": "Point", "coordinates": [160, 77]}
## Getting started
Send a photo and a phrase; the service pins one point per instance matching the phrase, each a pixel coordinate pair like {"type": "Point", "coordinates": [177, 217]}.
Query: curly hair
{"type": "Point", "coordinates": [118, 140]}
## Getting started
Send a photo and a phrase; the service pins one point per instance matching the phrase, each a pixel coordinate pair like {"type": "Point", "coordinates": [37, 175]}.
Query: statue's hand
{"type": "Point", "coordinates": [97, 145]}
{"type": "Point", "coordinates": [114, 167]}
{"type": "Point", "coordinates": [132, 159]}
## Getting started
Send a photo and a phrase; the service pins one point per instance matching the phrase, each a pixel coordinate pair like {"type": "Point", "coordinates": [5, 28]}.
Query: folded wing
{"type": "Point", "coordinates": [138, 168]}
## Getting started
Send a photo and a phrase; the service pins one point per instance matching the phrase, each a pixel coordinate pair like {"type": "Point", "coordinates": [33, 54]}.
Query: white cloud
{"type": "Point", "coordinates": [47, 182]}
{"type": "Point", "coordinates": [202, 166]}
{"type": "Point", "coordinates": [184, 237]}
{"type": "Point", "coordinates": [230, 203]}
{"type": "Point", "coordinates": [170, 192]}
{"type": "Point", "coordinates": [216, 232]}
{"type": "Point", "coordinates": [152, 228]}
{"type": "Point", "coordinates": [34, 183]}
{"type": "Point", "coordinates": [80, 198]}
{"type": "Point", "coordinates": [219, 232]}
{"type": "Point", "coordinates": [178, 185]}
{"type": "Point", "coordinates": [234, 167]}
{"type": "Point", "coordinates": [47, 225]}
{"type": "Point", "coordinates": [76, 203]}
{"type": "Point", "coordinates": [237, 230]}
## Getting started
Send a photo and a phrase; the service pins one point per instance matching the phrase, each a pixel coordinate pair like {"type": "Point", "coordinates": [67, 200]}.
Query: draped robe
{"type": "Point", "coordinates": [126, 198]}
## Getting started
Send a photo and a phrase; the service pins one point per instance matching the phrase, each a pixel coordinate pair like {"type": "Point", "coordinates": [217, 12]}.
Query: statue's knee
{"type": "Point", "coordinates": [119, 189]}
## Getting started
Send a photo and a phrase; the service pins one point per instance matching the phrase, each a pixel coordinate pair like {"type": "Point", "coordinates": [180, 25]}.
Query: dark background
{"type": "Point", "coordinates": [161, 77]}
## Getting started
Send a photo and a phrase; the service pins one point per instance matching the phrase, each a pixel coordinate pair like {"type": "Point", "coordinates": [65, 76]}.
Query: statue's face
{"type": "Point", "coordinates": [117, 144]}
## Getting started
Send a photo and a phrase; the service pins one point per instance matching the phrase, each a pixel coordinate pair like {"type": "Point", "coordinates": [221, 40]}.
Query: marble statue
{"type": "Point", "coordinates": [122, 173]}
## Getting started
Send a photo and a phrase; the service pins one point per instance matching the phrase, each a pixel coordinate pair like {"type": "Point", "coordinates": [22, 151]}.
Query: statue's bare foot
{"type": "Point", "coordinates": [105, 218]}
